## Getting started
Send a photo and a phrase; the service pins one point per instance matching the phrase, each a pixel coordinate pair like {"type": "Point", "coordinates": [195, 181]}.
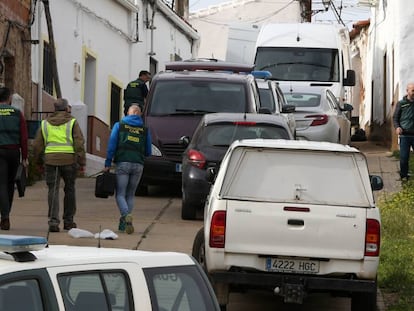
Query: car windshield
{"type": "Point", "coordinates": [197, 97]}
{"type": "Point", "coordinates": [225, 134]}
{"type": "Point", "coordinates": [303, 99]}
{"type": "Point", "coordinates": [299, 64]}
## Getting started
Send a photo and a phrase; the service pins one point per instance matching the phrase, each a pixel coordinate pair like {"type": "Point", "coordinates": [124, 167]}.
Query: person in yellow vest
{"type": "Point", "coordinates": [60, 145]}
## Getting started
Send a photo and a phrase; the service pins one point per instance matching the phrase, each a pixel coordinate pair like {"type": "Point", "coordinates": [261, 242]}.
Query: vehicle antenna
{"type": "Point", "coordinates": [99, 236]}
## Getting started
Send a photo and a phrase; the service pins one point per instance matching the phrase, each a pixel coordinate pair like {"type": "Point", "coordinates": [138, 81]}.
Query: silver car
{"type": "Point", "coordinates": [319, 116]}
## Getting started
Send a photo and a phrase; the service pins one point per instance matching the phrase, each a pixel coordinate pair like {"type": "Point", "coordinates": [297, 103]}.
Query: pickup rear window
{"type": "Point", "coordinates": [296, 176]}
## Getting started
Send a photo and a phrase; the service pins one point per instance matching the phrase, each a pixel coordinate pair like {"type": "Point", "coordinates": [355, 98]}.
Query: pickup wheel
{"type": "Point", "coordinates": [188, 211]}
{"type": "Point", "coordinates": [364, 302]}
{"type": "Point", "coordinates": [199, 249]}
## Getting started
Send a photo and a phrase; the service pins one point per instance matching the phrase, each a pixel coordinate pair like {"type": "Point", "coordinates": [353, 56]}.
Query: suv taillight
{"type": "Point", "coordinates": [318, 119]}
{"type": "Point", "coordinates": [372, 238]}
{"type": "Point", "coordinates": [196, 158]}
{"type": "Point", "coordinates": [218, 229]}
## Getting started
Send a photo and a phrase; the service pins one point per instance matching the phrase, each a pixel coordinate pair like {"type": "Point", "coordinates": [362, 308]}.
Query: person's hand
{"type": "Point", "coordinates": [106, 169]}
{"type": "Point", "coordinates": [399, 130]}
{"type": "Point", "coordinates": [25, 162]}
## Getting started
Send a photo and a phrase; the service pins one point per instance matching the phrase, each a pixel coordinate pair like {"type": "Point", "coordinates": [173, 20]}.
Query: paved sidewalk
{"type": "Point", "coordinates": [381, 162]}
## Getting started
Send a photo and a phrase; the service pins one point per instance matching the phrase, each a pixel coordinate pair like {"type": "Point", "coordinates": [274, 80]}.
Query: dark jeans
{"type": "Point", "coordinates": [9, 161]}
{"type": "Point", "coordinates": [406, 143]}
{"type": "Point", "coordinates": [53, 175]}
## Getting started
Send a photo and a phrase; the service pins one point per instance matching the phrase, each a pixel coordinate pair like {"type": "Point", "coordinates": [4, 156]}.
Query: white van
{"type": "Point", "coordinates": [307, 54]}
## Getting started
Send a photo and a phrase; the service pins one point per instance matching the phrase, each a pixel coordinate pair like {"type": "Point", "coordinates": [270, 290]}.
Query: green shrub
{"type": "Point", "coordinates": [396, 269]}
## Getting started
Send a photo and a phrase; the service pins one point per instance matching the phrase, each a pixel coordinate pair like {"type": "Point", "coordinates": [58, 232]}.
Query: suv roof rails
{"type": "Point", "coordinates": [213, 65]}
{"type": "Point", "coordinates": [20, 246]}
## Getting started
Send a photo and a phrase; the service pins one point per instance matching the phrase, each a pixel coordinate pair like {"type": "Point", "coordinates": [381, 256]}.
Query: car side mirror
{"type": "Point", "coordinates": [347, 107]}
{"type": "Point", "coordinates": [184, 140]}
{"type": "Point", "coordinates": [350, 78]}
{"type": "Point", "coordinates": [376, 182]}
{"type": "Point", "coordinates": [211, 174]}
{"type": "Point", "coordinates": [288, 108]}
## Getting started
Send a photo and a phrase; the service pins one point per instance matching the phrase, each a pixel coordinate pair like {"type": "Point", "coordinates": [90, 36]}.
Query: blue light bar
{"type": "Point", "coordinates": [21, 243]}
{"type": "Point", "coordinates": [261, 74]}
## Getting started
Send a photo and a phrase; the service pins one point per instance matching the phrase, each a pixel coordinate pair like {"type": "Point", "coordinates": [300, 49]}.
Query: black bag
{"type": "Point", "coordinates": [105, 185]}
{"type": "Point", "coordinates": [21, 179]}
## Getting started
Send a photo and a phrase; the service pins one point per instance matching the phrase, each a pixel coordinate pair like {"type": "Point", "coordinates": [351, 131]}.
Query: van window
{"type": "Point", "coordinates": [178, 288]}
{"type": "Point", "coordinates": [299, 64]}
{"type": "Point", "coordinates": [289, 176]}
{"type": "Point", "coordinates": [193, 97]}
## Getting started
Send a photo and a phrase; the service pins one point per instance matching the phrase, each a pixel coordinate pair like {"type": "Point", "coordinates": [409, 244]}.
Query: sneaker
{"type": "Point", "coordinates": [54, 228]}
{"type": "Point", "coordinates": [121, 226]}
{"type": "Point", "coordinates": [69, 226]}
{"type": "Point", "coordinates": [129, 228]}
{"type": "Point", "coordinates": [5, 224]}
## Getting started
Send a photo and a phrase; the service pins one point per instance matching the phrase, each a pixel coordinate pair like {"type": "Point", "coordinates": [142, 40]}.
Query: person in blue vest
{"type": "Point", "coordinates": [60, 144]}
{"type": "Point", "coordinates": [136, 91]}
{"type": "Point", "coordinates": [129, 144]}
{"type": "Point", "coordinates": [13, 149]}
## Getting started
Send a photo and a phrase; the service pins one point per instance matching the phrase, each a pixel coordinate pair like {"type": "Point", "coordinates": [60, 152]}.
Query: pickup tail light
{"type": "Point", "coordinates": [318, 119]}
{"type": "Point", "coordinates": [372, 238]}
{"type": "Point", "coordinates": [196, 158]}
{"type": "Point", "coordinates": [218, 230]}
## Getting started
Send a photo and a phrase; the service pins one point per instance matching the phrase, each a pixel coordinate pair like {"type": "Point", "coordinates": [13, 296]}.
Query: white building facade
{"type": "Point", "coordinates": [213, 23]}
{"type": "Point", "coordinates": [101, 45]}
{"type": "Point", "coordinates": [386, 49]}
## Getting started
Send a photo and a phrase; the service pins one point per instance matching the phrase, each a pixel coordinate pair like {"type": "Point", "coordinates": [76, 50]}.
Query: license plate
{"type": "Point", "coordinates": [292, 265]}
{"type": "Point", "coordinates": [178, 167]}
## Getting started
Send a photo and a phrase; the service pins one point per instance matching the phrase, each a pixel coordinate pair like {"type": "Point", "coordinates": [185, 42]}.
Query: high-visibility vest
{"type": "Point", "coordinates": [58, 138]}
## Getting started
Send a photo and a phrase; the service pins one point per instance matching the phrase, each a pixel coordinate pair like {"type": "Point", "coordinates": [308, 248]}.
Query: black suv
{"type": "Point", "coordinates": [176, 102]}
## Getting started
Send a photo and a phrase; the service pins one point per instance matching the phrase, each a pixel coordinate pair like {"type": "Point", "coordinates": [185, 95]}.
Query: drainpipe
{"type": "Point", "coordinates": [40, 59]}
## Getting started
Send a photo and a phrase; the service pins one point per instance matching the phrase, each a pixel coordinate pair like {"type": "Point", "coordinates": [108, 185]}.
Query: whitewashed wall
{"type": "Point", "coordinates": [105, 29]}
{"type": "Point", "coordinates": [213, 23]}
{"type": "Point", "coordinates": [389, 59]}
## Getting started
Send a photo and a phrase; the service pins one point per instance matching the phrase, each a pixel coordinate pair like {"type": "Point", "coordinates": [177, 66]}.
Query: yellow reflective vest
{"type": "Point", "coordinates": [58, 138]}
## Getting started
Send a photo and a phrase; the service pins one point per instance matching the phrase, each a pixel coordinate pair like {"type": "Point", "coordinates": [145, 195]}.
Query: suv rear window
{"type": "Point", "coordinates": [182, 97]}
{"type": "Point", "coordinates": [225, 134]}
{"type": "Point", "coordinates": [178, 288]}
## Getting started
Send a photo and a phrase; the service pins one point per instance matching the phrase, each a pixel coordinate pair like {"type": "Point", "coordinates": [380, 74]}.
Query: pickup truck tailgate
{"type": "Point", "coordinates": [289, 229]}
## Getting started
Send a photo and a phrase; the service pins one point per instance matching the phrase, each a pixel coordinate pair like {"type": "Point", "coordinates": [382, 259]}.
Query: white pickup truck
{"type": "Point", "coordinates": [292, 217]}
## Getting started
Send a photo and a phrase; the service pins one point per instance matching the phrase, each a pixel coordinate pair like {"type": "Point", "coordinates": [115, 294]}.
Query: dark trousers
{"type": "Point", "coordinates": [9, 161]}
{"type": "Point", "coordinates": [53, 176]}
{"type": "Point", "coordinates": [406, 143]}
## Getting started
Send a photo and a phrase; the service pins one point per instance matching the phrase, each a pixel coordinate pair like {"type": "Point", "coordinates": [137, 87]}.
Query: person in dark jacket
{"type": "Point", "coordinates": [403, 119]}
{"type": "Point", "coordinates": [61, 141]}
{"type": "Point", "coordinates": [136, 91]}
{"type": "Point", "coordinates": [13, 149]}
{"type": "Point", "coordinates": [129, 144]}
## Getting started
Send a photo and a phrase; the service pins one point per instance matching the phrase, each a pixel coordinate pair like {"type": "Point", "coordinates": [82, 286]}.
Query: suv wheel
{"type": "Point", "coordinates": [198, 251]}
{"type": "Point", "coordinates": [188, 211]}
{"type": "Point", "coordinates": [364, 302]}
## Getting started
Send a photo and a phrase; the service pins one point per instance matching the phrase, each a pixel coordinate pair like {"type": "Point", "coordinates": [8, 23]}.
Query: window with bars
{"type": "Point", "coordinates": [47, 68]}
